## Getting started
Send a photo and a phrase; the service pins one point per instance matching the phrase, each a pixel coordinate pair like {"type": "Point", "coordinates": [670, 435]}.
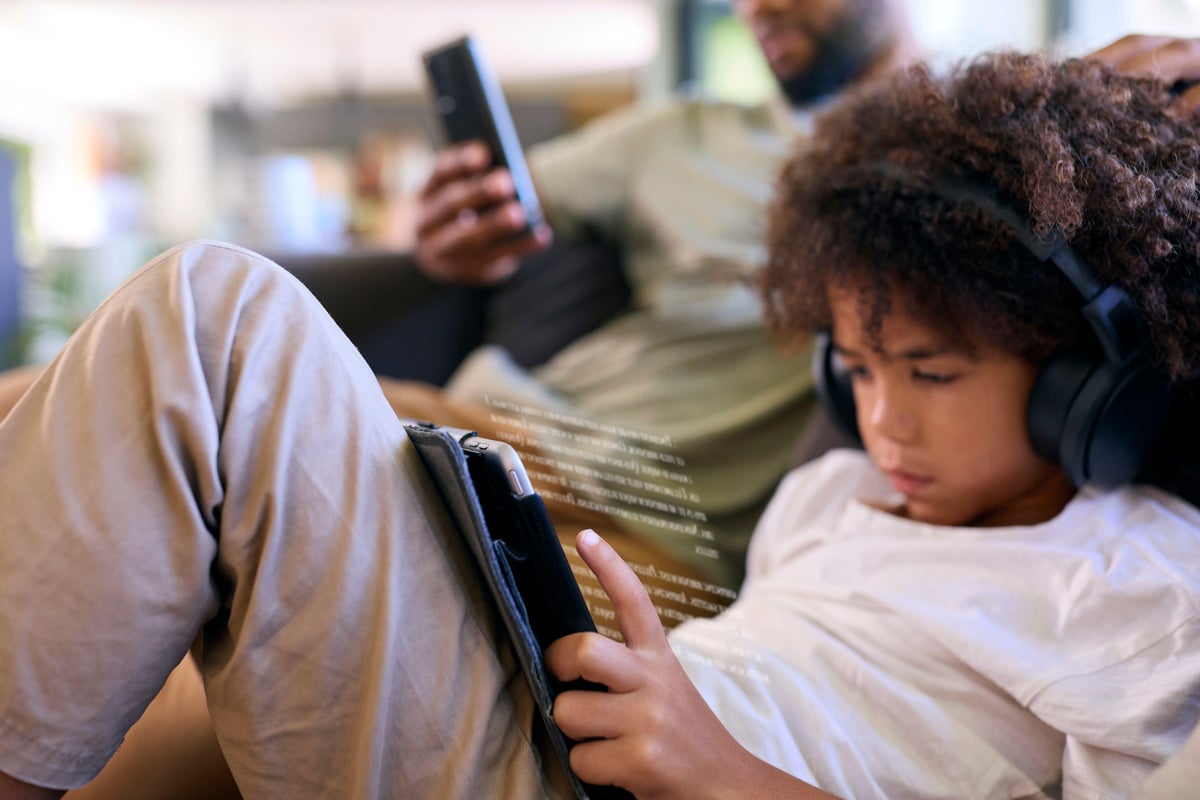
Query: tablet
{"type": "Point", "coordinates": [523, 565]}
{"type": "Point", "coordinates": [520, 529]}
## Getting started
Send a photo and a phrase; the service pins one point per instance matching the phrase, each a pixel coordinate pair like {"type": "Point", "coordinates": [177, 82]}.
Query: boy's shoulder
{"type": "Point", "coordinates": [826, 484]}
{"type": "Point", "coordinates": [1138, 507]}
{"type": "Point", "coordinates": [838, 475]}
{"type": "Point", "coordinates": [1154, 521]}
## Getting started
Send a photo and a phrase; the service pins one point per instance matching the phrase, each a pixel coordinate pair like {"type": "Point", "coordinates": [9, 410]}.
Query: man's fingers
{"type": "Point", "coordinates": [635, 613]}
{"type": "Point", "coordinates": [1166, 58]}
{"type": "Point", "coordinates": [455, 162]}
{"type": "Point", "coordinates": [472, 230]}
{"type": "Point", "coordinates": [1189, 98]}
{"type": "Point", "coordinates": [1177, 60]}
{"type": "Point", "coordinates": [474, 193]}
{"type": "Point", "coordinates": [480, 249]}
{"type": "Point", "coordinates": [1127, 47]}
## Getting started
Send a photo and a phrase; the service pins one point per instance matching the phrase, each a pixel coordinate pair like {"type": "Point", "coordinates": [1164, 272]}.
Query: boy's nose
{"type": "Point", "coordinates": [891, 416]}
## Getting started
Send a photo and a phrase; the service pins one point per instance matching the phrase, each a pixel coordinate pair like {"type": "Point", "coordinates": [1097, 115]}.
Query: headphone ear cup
{"type": "Point", "coordinates": [1054, 390]}
{"type": "Point", "coordinates": [1097, 419]}
{"type": "Point", "coordinates": [834, 387]}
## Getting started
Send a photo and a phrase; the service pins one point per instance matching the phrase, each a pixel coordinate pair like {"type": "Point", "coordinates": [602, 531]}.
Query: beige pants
{"type": "Point", "coordinates": [210, 456]}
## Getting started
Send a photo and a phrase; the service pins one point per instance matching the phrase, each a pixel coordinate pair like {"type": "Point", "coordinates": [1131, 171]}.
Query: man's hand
{"type": "Point", "coordinates": [1174, 61]}
{"type": "Point", "coordinates": [651, 733]}
{"type": "Point", "coordinates": [469, 221]}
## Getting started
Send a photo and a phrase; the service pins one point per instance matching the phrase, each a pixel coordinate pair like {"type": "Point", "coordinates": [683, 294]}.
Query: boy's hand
{"type": "Point", "coordinates": [1174, 61]}
{"type": "Point", "coordinates": [468, 219]}
{"type": "Point", "coordinates": [651, 733]}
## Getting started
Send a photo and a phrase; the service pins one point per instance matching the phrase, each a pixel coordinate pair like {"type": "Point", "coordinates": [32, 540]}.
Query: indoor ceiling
{"type": "Point", "coordinates": [118, 54]}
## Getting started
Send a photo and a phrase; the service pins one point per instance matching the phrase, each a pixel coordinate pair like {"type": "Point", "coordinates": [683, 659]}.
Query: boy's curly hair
{"type": "Point", "coordinates": [1072, 146]}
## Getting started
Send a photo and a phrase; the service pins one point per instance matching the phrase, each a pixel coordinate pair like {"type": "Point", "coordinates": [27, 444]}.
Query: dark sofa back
{"type": "Point", "coordinates": [409, 327]}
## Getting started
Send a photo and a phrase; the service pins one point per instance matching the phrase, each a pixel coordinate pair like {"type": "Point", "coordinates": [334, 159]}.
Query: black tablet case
{"type": "Point", "coordinates": [444, 459]}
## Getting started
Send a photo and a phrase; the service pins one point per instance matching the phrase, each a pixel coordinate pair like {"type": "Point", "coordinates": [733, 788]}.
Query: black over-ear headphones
{"type": "Point", "coordinates": [1097, 417]}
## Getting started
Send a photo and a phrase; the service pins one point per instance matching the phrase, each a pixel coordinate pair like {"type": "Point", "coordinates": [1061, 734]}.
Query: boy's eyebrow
{"type": "Point", "coordinates": [912, 354]}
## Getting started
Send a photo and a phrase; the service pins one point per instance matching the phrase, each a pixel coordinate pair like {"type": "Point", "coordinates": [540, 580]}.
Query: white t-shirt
{"type": "Point", "coordinates": [881, 657]}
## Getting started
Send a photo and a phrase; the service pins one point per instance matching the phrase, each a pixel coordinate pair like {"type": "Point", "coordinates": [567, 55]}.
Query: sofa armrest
{"type": "Point", "coordinates": [406, 325]}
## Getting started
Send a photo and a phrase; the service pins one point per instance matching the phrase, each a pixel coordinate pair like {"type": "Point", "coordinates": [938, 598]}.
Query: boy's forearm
{"type": "Point", "coordinates": [754, 778]}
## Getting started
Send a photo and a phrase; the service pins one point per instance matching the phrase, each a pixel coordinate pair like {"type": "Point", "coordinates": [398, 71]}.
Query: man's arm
{"type": "Point", "coordinates": [13, 789]}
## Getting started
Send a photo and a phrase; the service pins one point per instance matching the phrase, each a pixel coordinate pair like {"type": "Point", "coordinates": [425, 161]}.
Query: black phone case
{"type": "Point", "coordinates": [517, 580]}
{"type": "Point", "coordinates": [471, 105]}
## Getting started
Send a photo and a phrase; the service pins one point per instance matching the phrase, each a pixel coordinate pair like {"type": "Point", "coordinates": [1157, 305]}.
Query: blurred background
{"type": "Point", "coordinates": [303, 125]}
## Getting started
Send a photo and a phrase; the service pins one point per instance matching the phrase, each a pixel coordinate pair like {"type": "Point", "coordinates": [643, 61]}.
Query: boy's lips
{"type": "Point", "coordinates": [906, 482]}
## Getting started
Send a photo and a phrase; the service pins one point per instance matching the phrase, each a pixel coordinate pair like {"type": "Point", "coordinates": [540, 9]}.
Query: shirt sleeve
{"type": "Point", "coordinates": [583, 177]}
{"type": "Point", "coordinates": [1152, 703]}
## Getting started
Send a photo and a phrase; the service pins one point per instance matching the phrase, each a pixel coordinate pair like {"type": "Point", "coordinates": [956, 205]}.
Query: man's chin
{"type": "Point", "coordinates": [841, 56]}
{"type": "Point", "coordinates": [814, 85]}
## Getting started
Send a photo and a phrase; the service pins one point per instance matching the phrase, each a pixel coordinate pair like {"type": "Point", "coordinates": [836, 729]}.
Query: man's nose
{"type": "Point", "coordinates": [753, 8]}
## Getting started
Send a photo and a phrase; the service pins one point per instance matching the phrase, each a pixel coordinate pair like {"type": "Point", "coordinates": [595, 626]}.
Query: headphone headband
{"type": "Point", "coordinates": [1107, 309]}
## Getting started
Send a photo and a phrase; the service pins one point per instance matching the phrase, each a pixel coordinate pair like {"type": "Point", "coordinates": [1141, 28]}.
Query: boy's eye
{"type": "Point", "coordinates": [936, 378]}
{"type": "Point", "coordinates": [857, 372]}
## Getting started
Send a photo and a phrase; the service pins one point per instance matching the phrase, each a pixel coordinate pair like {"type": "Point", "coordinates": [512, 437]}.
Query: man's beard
{"type": "Point", "coordinates": [843, 53]}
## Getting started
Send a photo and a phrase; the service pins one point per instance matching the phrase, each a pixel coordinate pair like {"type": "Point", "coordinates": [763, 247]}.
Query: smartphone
{"type": "Point", "coordinates": [470, 104]}
{"type": "Point", "coordinates": [516, 519]}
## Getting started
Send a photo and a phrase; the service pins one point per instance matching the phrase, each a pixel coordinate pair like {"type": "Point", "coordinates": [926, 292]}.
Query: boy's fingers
{"type": "Point", "coordinates": [635, 613]}
{"type": "Point", "coordinates": [594, 658]}
{"type": "Point", "coordinates": [589, 715]}
{"type": "Point", "coordinates": [600, 762]}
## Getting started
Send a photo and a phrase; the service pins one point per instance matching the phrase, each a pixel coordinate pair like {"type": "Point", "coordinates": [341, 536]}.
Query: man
{"type": "Point", "coordinates": [681, 189]}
